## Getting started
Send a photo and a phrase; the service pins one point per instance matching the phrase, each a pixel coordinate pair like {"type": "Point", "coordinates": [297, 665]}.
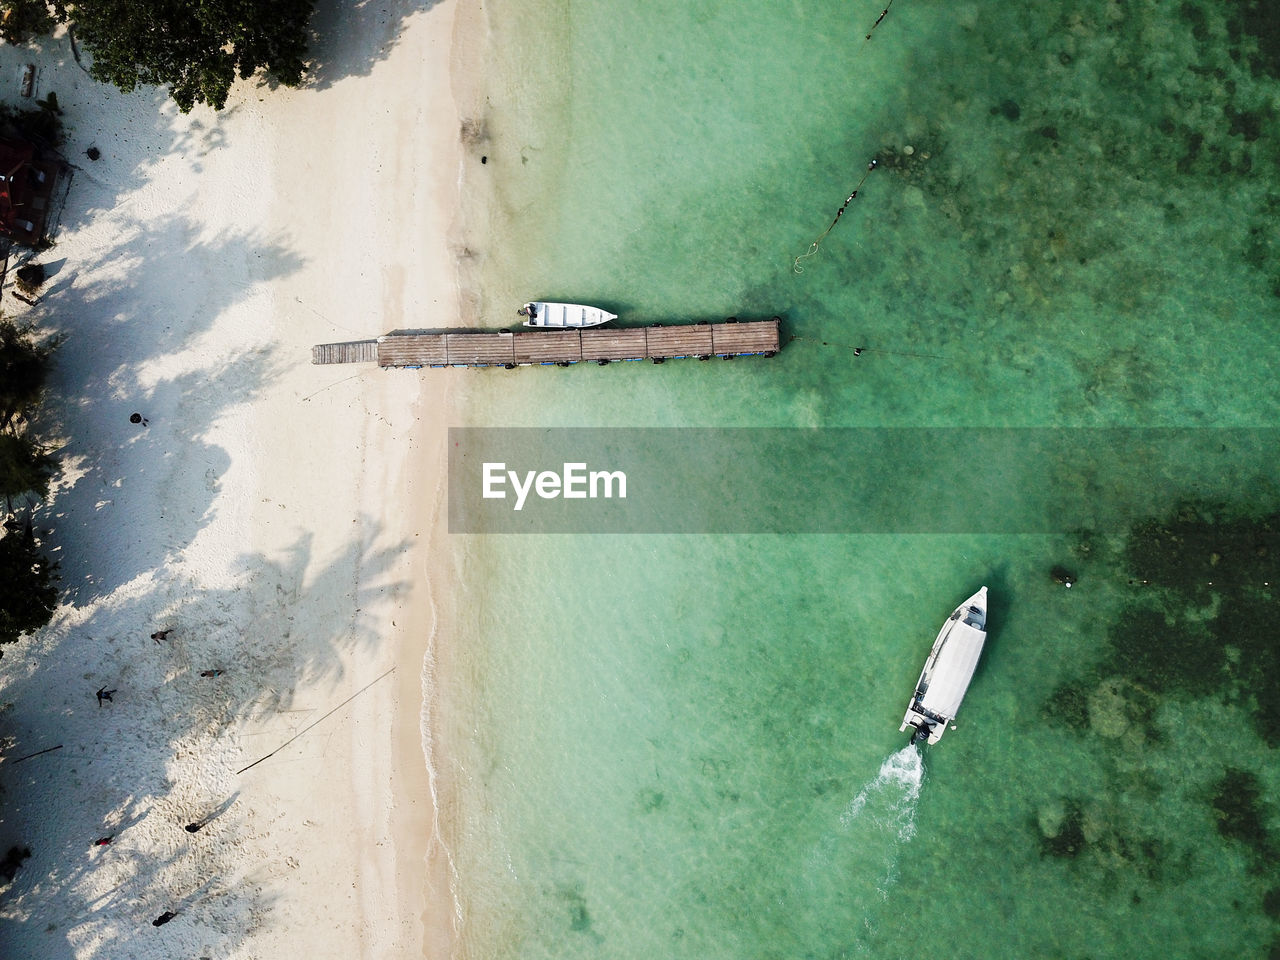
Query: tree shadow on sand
{"type": "Point", "coordinates": [99, 899]}
{"type": "Point", "coordinates": [117, 336]}
{"type": "Point", "coordinates": [351, 37]}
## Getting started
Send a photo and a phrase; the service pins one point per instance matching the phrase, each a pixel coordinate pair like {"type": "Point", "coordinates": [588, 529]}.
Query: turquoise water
{"type": "Point", "coordinates": [688, 746]}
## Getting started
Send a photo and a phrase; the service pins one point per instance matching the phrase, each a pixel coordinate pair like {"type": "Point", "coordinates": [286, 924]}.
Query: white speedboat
{"type": "Point", "coordinates": [560, 315]}
{"type": "Point", "coordinates": [947, 672]}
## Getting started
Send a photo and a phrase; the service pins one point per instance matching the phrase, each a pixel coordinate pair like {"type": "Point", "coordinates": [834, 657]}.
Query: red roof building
{"type": "Point", "coordinates": [26, 186]}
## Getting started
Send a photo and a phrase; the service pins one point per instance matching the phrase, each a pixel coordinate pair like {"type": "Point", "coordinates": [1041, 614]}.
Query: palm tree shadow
{"type": "Point", "coordinates": [167, 466]}
{"type": "Point", "coordinates": [162, 773]}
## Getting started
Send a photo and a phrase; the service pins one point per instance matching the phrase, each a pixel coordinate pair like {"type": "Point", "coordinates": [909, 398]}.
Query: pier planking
{"type": "Point", "coordinates": [545, 347]}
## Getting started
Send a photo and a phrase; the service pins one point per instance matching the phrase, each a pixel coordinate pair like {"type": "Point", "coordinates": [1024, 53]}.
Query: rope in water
{"type": "Point", "coordinates": [859, 351]}
{"type": "Point", "coordinates": [883, 13]}
{"type": "Point", "coordinates": [813, 247]}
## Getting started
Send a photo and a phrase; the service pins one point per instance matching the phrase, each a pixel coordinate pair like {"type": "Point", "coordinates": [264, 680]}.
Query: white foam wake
{"type": "Point", "coordinates": [883, 813]}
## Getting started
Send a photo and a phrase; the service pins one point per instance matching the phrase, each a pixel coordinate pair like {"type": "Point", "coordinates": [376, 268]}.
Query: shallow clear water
{"type": "Point", "coordinates": [688, 746]}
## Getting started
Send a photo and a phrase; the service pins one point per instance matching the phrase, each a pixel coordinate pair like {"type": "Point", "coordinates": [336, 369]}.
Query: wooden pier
{"type": "Point", "coordinates": [526, 348]}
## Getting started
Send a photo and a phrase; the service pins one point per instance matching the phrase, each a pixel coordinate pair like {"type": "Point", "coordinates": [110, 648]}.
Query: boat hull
{"type": "Point", "coordinates": [948, 671]}
{"type": "Point", "coordinates": [559, 316]}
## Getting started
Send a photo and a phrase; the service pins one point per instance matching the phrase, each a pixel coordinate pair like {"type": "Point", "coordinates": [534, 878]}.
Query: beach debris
{"type": "Point", "coordinates": [194, 827]}
{"type": "Point", "coordinates": [30, 276]}
{"type": "Point", "coordinates": [164, 918]}
{"type": "Point", "coordinates": [93, 153]}
{"type": "Point", "coordinates": [473, 132]}
{"type": "Point", "coordinates": [105, 694]}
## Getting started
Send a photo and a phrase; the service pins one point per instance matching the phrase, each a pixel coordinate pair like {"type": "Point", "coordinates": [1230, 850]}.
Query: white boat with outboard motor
{"type": "Point", "coordinates": [948, 670]}
{"type": "Point", "coordinates": [563, 315]}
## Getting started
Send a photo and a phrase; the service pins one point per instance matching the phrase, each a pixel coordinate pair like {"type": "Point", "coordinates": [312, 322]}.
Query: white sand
{"type": "Point", "coordinates": [276, 515]}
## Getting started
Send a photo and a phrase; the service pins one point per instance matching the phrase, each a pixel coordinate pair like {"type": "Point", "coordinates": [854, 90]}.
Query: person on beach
{"type": "Point", "coordinates": [103, 841]}
{"type": "Point", "coordinates": [194, 827]}
{"type": "Point", "coordinates": [104, 694]}
{"type": "Point", "coordinates": [138, 418]}
{"type": "Point", "coordinates": [210, 673]}
{"type": "Point", "coordinates": [164, 918]}
{"type": "Point", "coordinates": [161, 634]}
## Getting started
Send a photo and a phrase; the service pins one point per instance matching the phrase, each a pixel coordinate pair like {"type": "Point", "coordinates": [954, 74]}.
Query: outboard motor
{"type": "Point", "coordinates": [920, 731]}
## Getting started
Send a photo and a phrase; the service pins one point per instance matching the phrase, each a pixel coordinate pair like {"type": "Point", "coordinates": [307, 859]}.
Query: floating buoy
{"type": "Point", "coordinates": [1063, 576]}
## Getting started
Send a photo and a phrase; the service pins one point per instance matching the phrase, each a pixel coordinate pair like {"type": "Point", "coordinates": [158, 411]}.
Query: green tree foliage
{"type": "Point", "coordinates": [20, 20]}
{"type": "Point", "coordinates": [24, 368]}
{"type": "Point", "coordinates": [24, 467]}
{"type": "Point", "coordinates": [196, 48]}
{"type": "Point", "coordinates": [27, 592]}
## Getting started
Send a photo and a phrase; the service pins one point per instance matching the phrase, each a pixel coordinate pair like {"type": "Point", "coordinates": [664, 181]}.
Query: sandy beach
{"type": "Point", "coordinates": [281, 521]}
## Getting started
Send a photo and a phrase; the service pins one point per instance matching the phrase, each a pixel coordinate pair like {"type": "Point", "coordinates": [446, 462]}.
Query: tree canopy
{"type": "Point", "coordinates": [27, 592]}
{"type": "Point", "coordinates": [195, 48]}
{"type": "Point", "coordinates": [24, 367]}
{"type": "Point", "coordinates": [20, 20]}
{"type": "Point", "coordinates": [24, 466]}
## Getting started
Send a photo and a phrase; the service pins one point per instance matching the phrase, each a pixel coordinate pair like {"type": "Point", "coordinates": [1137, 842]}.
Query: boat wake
{"type": "Point", "coordinates": [882, 817]}
{"type": "Point", "coordinates": [846, 878]}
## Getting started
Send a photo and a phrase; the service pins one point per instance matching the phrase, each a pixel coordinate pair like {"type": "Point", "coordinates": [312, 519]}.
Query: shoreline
{"type": "Point", "coordinates": [400, 869]}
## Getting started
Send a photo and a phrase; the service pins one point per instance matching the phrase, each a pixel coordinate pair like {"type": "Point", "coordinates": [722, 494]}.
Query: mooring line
{"type": "Point", "coordinates": [883, 13]}
{"type": "Point", "coordinates": [859, 351]}
{"type": "Point", "coordinates": [813, 247]}
{"type": "Point", "coordinates": [321, 720]}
